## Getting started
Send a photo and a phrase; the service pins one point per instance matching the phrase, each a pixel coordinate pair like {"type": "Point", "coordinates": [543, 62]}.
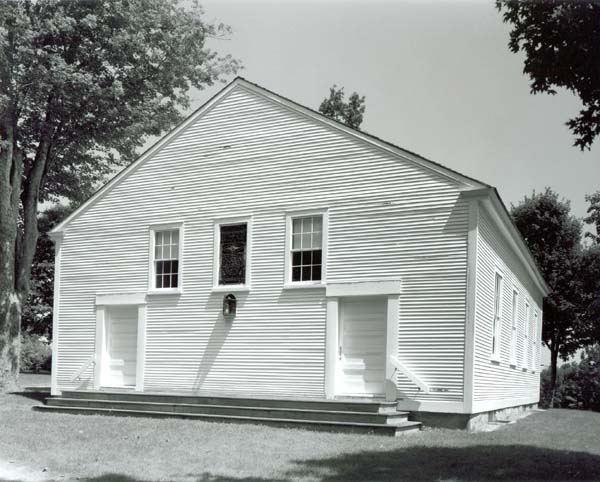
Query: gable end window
{"type": "Point", "coordinates": [497, 320]}
{"type": "Point", "coordinates": [305, 258]}
{"type": "Point", "coordinates": [232, 253]}
{"type": "Point", "coordinates": [165, 258]}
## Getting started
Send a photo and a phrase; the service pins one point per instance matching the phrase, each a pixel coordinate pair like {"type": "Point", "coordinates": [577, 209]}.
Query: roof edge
{"type": "Point", "coordinates": [468, 182]}
{"type": "Point", "coordinates": [410, 156]}
{"type": "Point", "coordinates": [145, 155]}
{"type": "Point", "coordinates": [505, 222]}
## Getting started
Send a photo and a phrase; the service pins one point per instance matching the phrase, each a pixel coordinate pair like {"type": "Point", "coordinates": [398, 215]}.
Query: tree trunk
{"type": "Point", "coordinates": [10, 340]}
{"type": "Point", "coordinates": [11, 170]}
{"type": "Point", "coordinates": [553, 372]}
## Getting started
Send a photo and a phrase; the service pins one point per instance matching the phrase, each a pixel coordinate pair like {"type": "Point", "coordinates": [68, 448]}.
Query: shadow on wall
{"type": "Point", "coordinates": [218, 336]}
{"type": "Point", "coordinates": [472, 463]}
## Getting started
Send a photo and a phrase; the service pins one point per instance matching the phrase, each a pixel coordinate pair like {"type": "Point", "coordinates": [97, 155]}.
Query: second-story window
{"type": "Point", "coordinates": [165, 263]}
{"type": "Point", "coordinates": [307, 249]}
{"type": "Point", "coordinates": [233, 241]}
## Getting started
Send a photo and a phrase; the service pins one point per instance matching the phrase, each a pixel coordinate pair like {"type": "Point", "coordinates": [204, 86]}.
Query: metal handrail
{"type": "Point", "coordinates": [89, 362]}
{"type": "Point", "coordinates": [409, 374]}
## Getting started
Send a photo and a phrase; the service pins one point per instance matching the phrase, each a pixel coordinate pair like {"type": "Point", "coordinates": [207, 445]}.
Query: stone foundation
{"type": "Point", "coordinates": [475, 422]}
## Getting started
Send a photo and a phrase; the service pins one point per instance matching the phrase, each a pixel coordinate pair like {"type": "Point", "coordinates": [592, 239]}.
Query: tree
{"type": "Point", "coordinates": [82, 84]}
{"type": "Point", "coordinates": [37, 309]}
{"type": "Point", "coordinates": [561, 43]}
{"type": "Point", "coordinates": [593, 216]}
{"type": "Point", "coordinates": [349, 113]}
{"type": "Point", "coordinates": [554, 236]}
{"type": "Point", "coordinates": [590, 272]}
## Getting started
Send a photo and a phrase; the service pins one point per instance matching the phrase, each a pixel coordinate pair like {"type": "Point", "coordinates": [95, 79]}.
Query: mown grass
{"type": "Point", "coordinates": [552, 445]}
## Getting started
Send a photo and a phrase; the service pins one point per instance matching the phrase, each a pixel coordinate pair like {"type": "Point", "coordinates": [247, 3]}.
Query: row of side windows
{"type": "Point", "coordinates": [305, 256]}
{"type": "Point", "coordinates": [525, 327]}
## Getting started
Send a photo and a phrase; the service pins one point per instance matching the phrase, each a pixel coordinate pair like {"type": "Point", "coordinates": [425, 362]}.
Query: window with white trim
{"type": "Point", "coordinates": [307, 248]}
{"type": "Point", "coordinates": [514, 327]}
{"type": "Point", "coordinates": [497, 321]}
{"type": "Point", "coordinates": [232, 253]}
{"type": "Point", "coordinates": [535, 340]}
{"type": "Point", "coordinates": [525, 361]}
{"type": "Point", "coordinates": [165, 266]}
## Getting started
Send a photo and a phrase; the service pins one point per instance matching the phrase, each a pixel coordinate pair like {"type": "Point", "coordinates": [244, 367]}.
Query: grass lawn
{"type": "Point", "coordinates": [552, 445]}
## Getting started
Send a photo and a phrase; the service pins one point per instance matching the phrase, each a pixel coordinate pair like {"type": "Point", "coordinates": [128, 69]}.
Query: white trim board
{"type": "Point", "coordinates": [364, 288]}
{"type": "Point", "coordinates": [54, 391]}
{"type": "Point", "coordinates": [109, 299]}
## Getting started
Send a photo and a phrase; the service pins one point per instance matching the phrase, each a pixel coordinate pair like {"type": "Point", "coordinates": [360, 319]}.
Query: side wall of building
{"type": "Point", "coordinates": [504, 380]}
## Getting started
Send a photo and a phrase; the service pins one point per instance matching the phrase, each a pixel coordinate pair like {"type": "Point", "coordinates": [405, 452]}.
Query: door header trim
{"type": "Point", "coordinates": [107, 299]}
{"type": "Point", "coordinates": [364, 288]}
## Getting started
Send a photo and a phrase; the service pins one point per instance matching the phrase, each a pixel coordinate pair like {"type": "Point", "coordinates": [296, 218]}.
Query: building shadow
{"type": "Point", "coordinates": [38, 396]}
{"type": "Point", "coordinates": [421, 463]}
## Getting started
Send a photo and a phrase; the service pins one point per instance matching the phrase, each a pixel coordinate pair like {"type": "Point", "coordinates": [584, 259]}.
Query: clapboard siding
{"type": "Point", "coordinates": [501, 380]}
{"type": "Point", "coordinates": [388, 218]}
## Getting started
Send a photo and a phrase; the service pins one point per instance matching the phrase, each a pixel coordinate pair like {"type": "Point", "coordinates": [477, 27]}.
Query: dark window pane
{"type": "Point", "coordinates": [296, 258]}
{"type": "Point", "coordinates": [159, 267]}
{"type": "Point", "coordinates": [316, 272]}
{"type": "Point", "coordinates": [174, 267]}
{"type": "Point", "coordinates": [305, 273]}
{"type": "Point", "coordinates": [233, 254]}
{"type": "Point", "coordinates": [316, 256]}
{"type": "Point", "coordinates": [306, 257]}
{"type": "Point", "coordinates": [159, 281]}
{"type": "Point", "coordinates": [173, 281]}
{"type": "Point", "coordinates": [296, 274]}
{"type": "Point", "coordinates": [166, 281]}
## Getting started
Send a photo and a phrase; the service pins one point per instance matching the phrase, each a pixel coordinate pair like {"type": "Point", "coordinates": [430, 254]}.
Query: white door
{"type": "Point", "coordinates": [361, 357]}
{"type": "Point", "coordinates": [121, 347]}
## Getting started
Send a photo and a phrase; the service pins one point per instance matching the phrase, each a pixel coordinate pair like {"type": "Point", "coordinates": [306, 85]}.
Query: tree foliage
{"type": "Point", "coordinates": [37, 309]}
{"type": "Point", "coordinates": [350, 113]}
{"type": "Point", "coordinates": [553, 236]}
{"type": "Point", "coordinates": [593, 217]}
{"type": "Point", "coordinates": [561, 43]}
{"type": "Point", "coordinates": [82, 84]}
{"type": "Point", "coordinates": [578, 383]}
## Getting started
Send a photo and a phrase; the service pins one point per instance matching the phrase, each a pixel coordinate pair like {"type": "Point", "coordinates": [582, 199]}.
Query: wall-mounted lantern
{"type": "Point", "coordinates": [229, 305]}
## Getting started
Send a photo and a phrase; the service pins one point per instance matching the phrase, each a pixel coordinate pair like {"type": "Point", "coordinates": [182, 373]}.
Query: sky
{"type": "Point", "coordinates": [438, 79]}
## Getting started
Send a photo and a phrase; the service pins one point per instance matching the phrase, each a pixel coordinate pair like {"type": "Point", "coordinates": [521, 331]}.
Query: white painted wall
{"type": "Point", "coordinates": [388, 219]}
{"type": "Point", "coordinates": [499, 382]}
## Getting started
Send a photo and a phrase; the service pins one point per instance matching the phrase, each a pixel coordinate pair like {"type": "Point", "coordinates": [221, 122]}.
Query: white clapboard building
{"type": "Point", "coordinates": [263, 255]}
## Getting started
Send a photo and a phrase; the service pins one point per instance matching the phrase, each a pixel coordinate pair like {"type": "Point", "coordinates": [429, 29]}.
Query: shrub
{"type": "Point", "coordinates": [36, 353]}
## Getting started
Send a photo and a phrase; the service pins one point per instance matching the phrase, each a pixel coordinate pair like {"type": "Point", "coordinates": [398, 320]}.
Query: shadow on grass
{"type": "Point", "coordinates": [471, 463]}
{"type": "Point", "coordinates": [39, 396]}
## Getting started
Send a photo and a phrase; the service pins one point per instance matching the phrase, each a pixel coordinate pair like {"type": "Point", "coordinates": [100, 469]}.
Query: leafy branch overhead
{"type": "Point", "coordinates": [561, 43]}
{"type": "Point", "coordinates": [349, 113]}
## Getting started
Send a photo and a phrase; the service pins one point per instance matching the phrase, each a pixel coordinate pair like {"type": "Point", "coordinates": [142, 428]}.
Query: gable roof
{"type": "Point", "coordinates": [465, 183]}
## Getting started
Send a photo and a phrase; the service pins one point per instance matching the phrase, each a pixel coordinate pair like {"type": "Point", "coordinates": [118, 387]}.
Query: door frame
{"type": "Point", "coordinates": [391, 289]}
{"type": "Point", "coordinates": [103, 304]}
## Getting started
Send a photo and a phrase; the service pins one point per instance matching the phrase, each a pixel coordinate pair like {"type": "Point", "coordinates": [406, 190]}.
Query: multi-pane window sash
{"type": "Point", "coordinates": [497, 315]}
{"type": "Point", "coordinates": [514, 332]}
{"type": "Point", "coordinates": [166, 259]}
{"type": "Point", "coordinates": [307, 248]}
{"type": "Point", "coordinates": [525, 361]}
